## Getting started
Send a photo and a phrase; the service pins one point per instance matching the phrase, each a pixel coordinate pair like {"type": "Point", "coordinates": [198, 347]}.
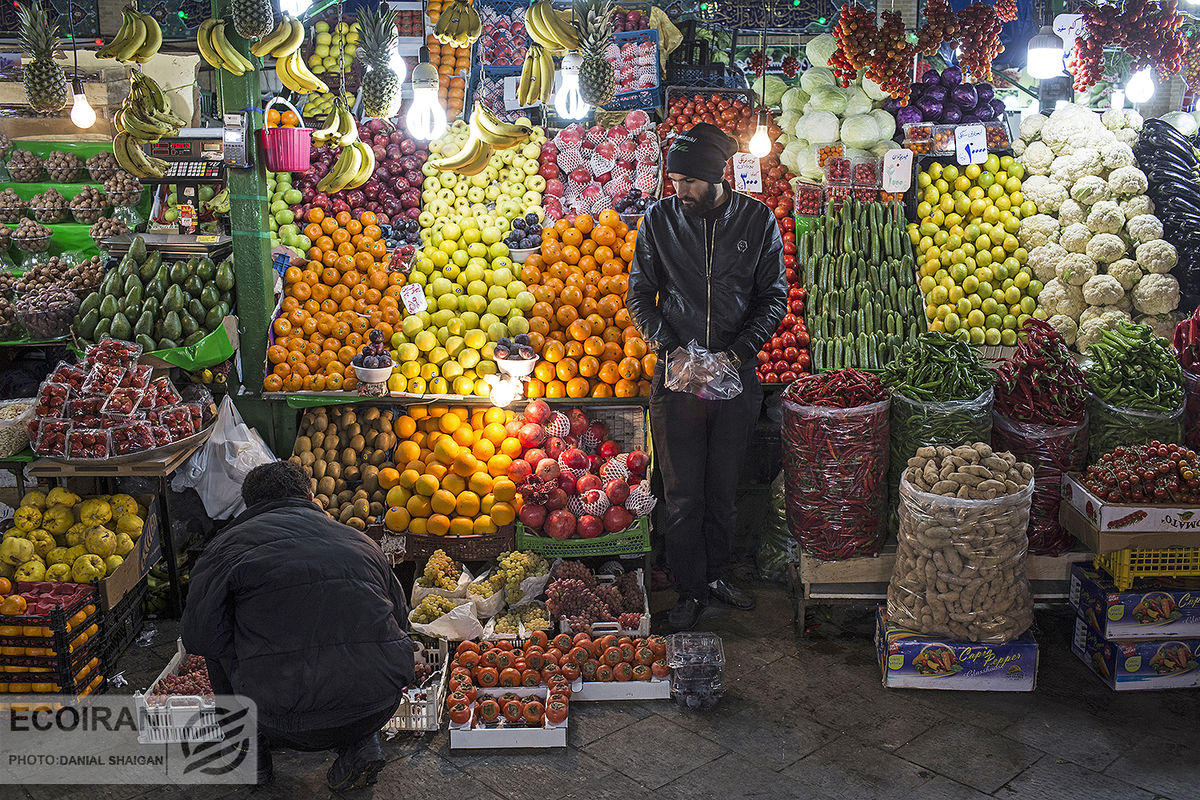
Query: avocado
{"type": "Point", "coordinates": [192, 265]}
{"type": "Point", "coordinates": [170, 327]}
{"type": "Point", "coordinates": [150, 265]}
{"type": "Point", "coordinates": [108, 306]}
{"type": "Point", "coordinates": [110, 285]}
{"type": "Point", "coordinates": [90, 302]}
{"type": "Point", "coordinates": [127, 267]}
{"type": "Point", "coordinates": [223, 307]}
{"type": "Point", "coordinates": [173, 301]}
{"type": "Point", "coordinates": [194, 338]}
{"type": "Point", "coordinates": [137, 249]}
{"type": "Point", "coordinates": [166, 344]}
{"type": "Point", "coordinates": [122, 306]}
{"type": "Point", "coordinates": [178, 273]}
{"type": "Point", "coordinates": [188, 323]}
{"type": "Point", "coordinates": [120, 328]}
{"type": "Point", "coordinates": [206, 270]}
{"type": "Point", "coordinates": [193, 285]}
{"type": "Point", "coordinates": [209, 297]}
{"type": "Point", "coordinates": [87, 325]}
{"type": "Point", "coordinates": [225, 279]}
{"type": "Point", "coordinates": [151, 304]}
{"type": "Point", "coordinates": [227, 298]}
{"type": "Point", "coordinates": [196, 308]}
{"type": "Point", "coordinates": [146, 342]}
{"type": "Point", "coordinates": [145, 324]}
{"type": "Point", "coordinates": [212, 320]}
{"type": "Point", "coordinates": [154, 291]}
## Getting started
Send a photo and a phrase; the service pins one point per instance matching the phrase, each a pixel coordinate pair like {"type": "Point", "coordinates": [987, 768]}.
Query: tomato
{"type": "Point", "coordinates": [658, 644]}
{"type": "Point", "coordinates": [612, 656]}
{"type": "Point", "coordinates": [537, 639]}
{"type": "Point", "coordinates": [487, 676]}
{"type": "Point", "coordinates": [659, 669]}
{"type": "Point", "coordinates": [464, 647]}
{"type": "Point", "coordinates": [469, 659]}
{"type": "Point", "coordinates": [513, 710]}
{"type": "Point", "coordinates": [460, 713]}
{"type": "Point", "coordinates": [623, 671]}
{"type": "Point", "coordinates": [604, 673]}
{"type": "Point", "coordinates": [534, 711]}
{"type": "Point", "coordinates": [489, 710]}
{"type": "Point", "coordinates": [571, 671]}
{"type": "Point", "coordinates": [491, 658]}
{"type": "Point", "coordinates": [510, 677]}
{"type": "Point", "coordinates": [589, 669]}
{"type": "Point", "coordinates": [645, 655]}
{"type": "Point", "coordinates": [531, 677]}
{"type": "Point", "coordinates": [535, 660]}
{"type": "Point", "coordinates": [627, 650]}
{"type": "Point", "coordinates": [563, 642]}
{"type": "Point", "coordinates": [577, 656]}
{"type": "Point", "coordinates": [556, 711]}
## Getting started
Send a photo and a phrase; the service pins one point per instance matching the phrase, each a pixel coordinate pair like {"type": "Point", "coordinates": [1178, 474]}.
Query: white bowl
{"type": "Point", "coordinates": [519, 255]}
{"type": "Point", "coordinates": [376, 375]}
{"type": "Point", "coordinates": [517, 367]}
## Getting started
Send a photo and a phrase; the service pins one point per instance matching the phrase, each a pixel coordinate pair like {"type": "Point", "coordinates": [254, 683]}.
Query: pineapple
{"type": "Point", "coordinates": [594, 21]}
{"type": "Point", "coordinates": [380, 85]}
{"type": "Point", "coordinates": [253, 19]}
{"type": "Point", "coordinates": [45, 83]}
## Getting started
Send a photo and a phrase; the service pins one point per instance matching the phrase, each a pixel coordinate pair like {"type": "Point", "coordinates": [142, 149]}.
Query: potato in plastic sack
{"type": "Point", "coordinates": [776, 547]}
{"type": "Point", "coordinates": [1191, 410]}
{"type": "Point", "coordinates": [836, 464]}
{"type": "Point", "coordinates": [960, 560]}
{"type": "Point", "coordinates": [916, 423]}
{"type": "Point", "coordinates": [1110, 427]}
{"type": "Point", "coordinates": [1052, 450]}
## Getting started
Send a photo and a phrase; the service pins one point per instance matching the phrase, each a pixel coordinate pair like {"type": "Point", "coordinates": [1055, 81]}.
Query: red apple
{"type": "Point", "coordinates": [617, 491]}
{"type": "Point", "coordinates": [532, 516]}
{"type": "Point", "coordinates": [538, 412]}
{"type": "Point", "coordinates": [617, 519]}
{"type": "Point", "coordinates": [588, 482]}
{"type": "Point", "coordinates": [560, 524]}
{"type": "Point", "coordinates": [519, 470]}
{"type": "Point", "coordinates": [589, 527]}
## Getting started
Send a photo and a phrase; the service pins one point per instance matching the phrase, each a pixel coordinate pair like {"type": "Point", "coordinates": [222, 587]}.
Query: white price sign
{"type": "Point", "coordinates": [897, 170]}
{"type": "Point", "coordinates": [747, 173]}
{"type": "Point", "coordinates": [970, 144]}
{"type": "Point", "coordinates": [510, 94]}
{"type": "Point", "coordinates": [1068, 27]}
{"type": "Point", "coordinates": [413, 297]}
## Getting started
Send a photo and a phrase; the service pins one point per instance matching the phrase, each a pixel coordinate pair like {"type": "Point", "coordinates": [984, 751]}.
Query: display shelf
{"type": "Point", "coordinates": [301, 400]}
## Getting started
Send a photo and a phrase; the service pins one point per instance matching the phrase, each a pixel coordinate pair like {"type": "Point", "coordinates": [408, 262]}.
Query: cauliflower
{"type": "Point", "coordinates": [1070, 212]}
{"type": "Point", "coordinates": [1038, 158]}
{"type": "Point", "coordinates": [1075, 238]}
{"type": "Point", "coordinates": [1091, 312]}
{"type": "Point", "coordinates": [1127, 181]}
{"type": "Point", "coordinates": [1144, 228]}
{"type": "Point", "coordinates": [1157, 256]}
{"type": "Point", "coordinates": [1087, 161]}
{"type": "Point", "coordinates": [1091, 332]}
{"type": "Point", "coordinates": [1133, 120]}
{"type": "Point", "coordinates": [1105, 248]}
{"type": "Point", "coordinates": [1156, 294]}
{"type": "Point", "coordinates": [1037, 230]}
{"type": "Point", "coordinates": [1076, 268]}
{"type": "Point", "coordinates": [1018, 148]}
{"type": "Point", "coordinates": [1092, 189]}
{"type": "Point", "coordinates": [1116, 154]}
{"type": "Point", "coordinates": [1137, 205]}
{"type": "Point", "coordinates": [1114, 316]}
{"type": "Point", "coordinates": [1127, 136]}
{"type": "Point", "coordinates": [1031, 127]}
{"type": "Point", "coordinates": [1102, 290]}
{"type": "Point", "coordinates": [1162, 324]}
{"type": "Point", "coordinates": [1048, 198]}
{"type": "Point", "coordinates": [1106, 217]}
{"type": "Point", "coordinates": [1058, 297]}
{"type": "Point", "coordinates": [1065, 170]}
{"type": "Point", "coordinates": [1043, 261]}
{"type": "Point", "coordinates": [1113, 119]}
{"type": "Point", "coordinates": [1065, 326]}
{"type": "Point", "coordinates": [1125, 270]}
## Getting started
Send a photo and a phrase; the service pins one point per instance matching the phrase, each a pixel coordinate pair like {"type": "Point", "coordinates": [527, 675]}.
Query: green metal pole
{"type": "Point", "coordinates": [251, 243]}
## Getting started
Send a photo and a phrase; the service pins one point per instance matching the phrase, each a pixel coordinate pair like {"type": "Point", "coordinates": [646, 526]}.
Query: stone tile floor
{"type": "Point", "coordinates": [803, 718]}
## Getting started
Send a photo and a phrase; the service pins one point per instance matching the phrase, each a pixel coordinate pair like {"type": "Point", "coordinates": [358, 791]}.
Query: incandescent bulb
{"type": "Point", "coordinates": [1045, 55]}
{"type": "Point", "coordinates": [426, 119]}
{"type": "Point", "coordinates": [760, 143]}
{"type": "Point", "coordinates": [1140, 86]}
{"type": "Point", "coordinates": [568, 101]}
{"type": "Point", "coordinates": [82, 113]}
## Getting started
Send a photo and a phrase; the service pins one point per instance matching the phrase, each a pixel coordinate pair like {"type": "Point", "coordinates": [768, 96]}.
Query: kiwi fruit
{"type": "Point", "coordinates": [331, 442]}
{"type": "Point", "coordinates": [319, 454]}
{"type": "Point", "coordinates": [312, 486]}
{"type": "Point", "coordinates": [325, 485]}
{"type": "Point", "coordinates": [376, 509]}
{"type": "Point", "coordinates": [334, 468]}
{"type": "Point", "coordinates": [357, 443]}
{"type": "Point", "coordinates": [344, 514]}
{"type": "Point", "coordinates": [352, 430]}
{"type": "Point", "coordinates": [351, 474]}
{"type": "Point", "coordinates": [322, 500]}
{"type": "Point", "coordinates": [349, 458]}
{"type": "Point", "coordinates": [307, 459]}
{"type": "Point", "coordinates": [377, 458]}
{"type": "Point", "coordinates": [344, 496]}
{"type": "Point", "coordinates": [385, 441]}
{"type": "Point", "coordinates": [362, 508]}
{"type": "Point", "coordinates": [295, 460]}
{"type": "Point", "coordinates": [303, 445]}
{"type": "Point", "coordinates": [320, 423]}
{"type": "Point", "coordinates": [357, 524]}
{"type": "Point", "coordinates": [318, 469]}
{"type": "Point", "coordinates": [371, 413]}
{"type": "Point", "coordinates": [370, 478]}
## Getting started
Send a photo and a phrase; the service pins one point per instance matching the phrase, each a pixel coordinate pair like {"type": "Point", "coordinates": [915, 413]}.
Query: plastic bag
{"type": "Point", "coordinates": [1052, 450]}
{"type": "Point", "coordinates": [460, 591]}
{"type": "Point", "coordinates": [1191, 410]}
{"type": "Point", "coordinates": [457, 625]}
{"type": "Point", "coordinates": [216, 471]}
{"type": "Point", "coordinates": [703, 373]}
{"type": "Point", "coordinates": [914, 424]}
{"type": "Point", "coordinates": [836, 464]}
{"type": "Point", "coordinates": [486, 607]}
{"type": "Point", "coordinates": [777, 547]}
{"type": "Point", "coordinates": [960, 566]}
{"type": "Point", "coordinates": [1110, 427]}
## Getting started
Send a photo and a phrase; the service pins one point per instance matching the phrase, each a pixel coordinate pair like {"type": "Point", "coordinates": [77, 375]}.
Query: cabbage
{"type": "Point", "coordinates": [873, 89]}
{"type": "Point", "coordinates": [881, 149]}
{"type": "Point", "coordinates": [790, 155]}
{"type": "Point", "coordinates": [788, 119]}
{"type": "Point", "coordinates": [806, 163]}
{"type": "Point", "coordinates": [857, 101]}
{"type": "Point", "coordinates": [816, 76]}
{"type": "Point", "coordinates": [860, 131]}
{"type": "Point", "coordinates": [886, 123]}
{"type": "Point", "coordinates": [819, 127]}
{"type": "Point", "coordinates": [1181, 121]}
{"type": "Point", "coordinates": [793, 100]}
{"type": "Point", "coordinates": [829, 98]}
{"type": "Point", "coordinates": [820, 49]}
{"type": "Point", "coordinates": [775, 88]}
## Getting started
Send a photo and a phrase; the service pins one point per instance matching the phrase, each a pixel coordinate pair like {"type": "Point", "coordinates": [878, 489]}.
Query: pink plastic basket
{"type": "Point", "coordinates": [286, 149]}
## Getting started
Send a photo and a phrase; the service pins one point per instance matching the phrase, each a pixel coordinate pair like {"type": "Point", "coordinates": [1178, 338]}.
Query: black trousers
{"type": "Point", "coordinates": [699, 446]}
{"type": "Point", "coordinates": [335, 738]}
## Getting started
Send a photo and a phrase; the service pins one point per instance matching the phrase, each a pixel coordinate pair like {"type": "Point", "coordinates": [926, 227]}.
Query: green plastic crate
{"type": "Point", "coordinates": [634, 540]}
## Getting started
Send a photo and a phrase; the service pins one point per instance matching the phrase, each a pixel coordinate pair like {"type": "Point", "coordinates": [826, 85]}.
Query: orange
{"type": "Point", "coordinates": [439, 525]}
{"type": "Point", "coordinates": [604, 235]}
{"type": "Point", "coordinates": [388, 477]}
{"type": "Point", "coordinates": [272, 383]}
{"type": "Point", "coordinates": [397, 519]}
{"type": "Point", "coordinates": [510, 447]}
{"type": "Point", "coordinates": [584, 223]}
{"type": "Point", "coordinates": [465, 463]}
{"type": "Point", "coordinates": [467, 504]}
{"type": "Point", "coordinates": [316, 214]}
{"type": "Point", "coordinates": [610, 218]}
{"type": "Point", "coordinates": [498, 465]}
{"type": "Point", "coordinates": [625, 388]}
{"type": "Point", "coordinates": [502, 513]}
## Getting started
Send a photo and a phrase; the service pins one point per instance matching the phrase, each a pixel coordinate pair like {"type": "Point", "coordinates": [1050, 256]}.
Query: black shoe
{"type": "Point", "coordinates": [685, 614]}
{"type": "Point", "coordinates": [266, 770]}
{"type": "Point", "coordinates": [730, 595]}
{"type": "Point", "coordinates": [356, 766]}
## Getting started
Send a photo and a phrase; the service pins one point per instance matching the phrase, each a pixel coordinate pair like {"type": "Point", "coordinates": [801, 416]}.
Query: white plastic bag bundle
{"type": "Point", "coordinates": [703, 373]}
{"type": "Point", "coordinates": [216, 471]}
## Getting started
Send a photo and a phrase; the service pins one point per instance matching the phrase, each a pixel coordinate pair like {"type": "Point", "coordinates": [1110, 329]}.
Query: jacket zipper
{"type": "Point", "coordinates": [708, 281]}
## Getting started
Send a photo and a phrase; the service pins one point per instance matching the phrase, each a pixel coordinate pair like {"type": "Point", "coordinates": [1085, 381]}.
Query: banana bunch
{"type": "Point", "coordinates": [220, 201]}
{"type": "Point", "coordinates": [295, 75]}
{"type": "Point", "coordinates": [487, 134]}
{"type": "Point", "coordinates": [352, 169]}
{"type": "Point", "coordinates": [459, 25]}
{"type": "Point", "coordinates": [546, 28]}
{"type": "Point", "coordinates": [137, 41]}
{"type": "Point", "coordinates": [537, 76]}
{"type": "Point", "coordinates": [134, 160]}
{"type": "Point", "coordinates": [283, 41]}
{"type": "Point", "coordinates": [146, 113]}
{"type": "Point", "coordinates": [340, 127]}
{"type": "Point", "coordinates": [217, 51]}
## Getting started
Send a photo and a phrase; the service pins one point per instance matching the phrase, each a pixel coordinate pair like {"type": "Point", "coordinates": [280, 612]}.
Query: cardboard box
{"type": "Point", "coordinates": [1130, 665]}
{"type": "Point", "coordinates": [1164, 612]}
{"type": "Point", "coordinates": [910, 660]}
{"type": "Point", "coordinates": [1163, 521]}
{"type": "Point", "coordinates": [1103, 542]}
{"type": "Point", "coordinates": [463, 736]}
{"type": "Point", "coordinates": [653, 689]}
{"type": "Point", "coordinates": [146, 553]}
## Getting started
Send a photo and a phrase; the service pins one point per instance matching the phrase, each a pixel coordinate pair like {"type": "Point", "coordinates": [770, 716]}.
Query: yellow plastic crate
{"type": "Point", "coordinates": [1167, 562]}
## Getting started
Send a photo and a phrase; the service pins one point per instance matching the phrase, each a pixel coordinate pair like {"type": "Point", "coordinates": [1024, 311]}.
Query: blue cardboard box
{"type": "Point", "coordinates": [1138, 664]}
{"type": "Point", "coordinates": [1170, 610]}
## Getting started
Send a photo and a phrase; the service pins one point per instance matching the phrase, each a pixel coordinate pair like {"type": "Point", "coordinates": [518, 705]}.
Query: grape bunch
{"type": "Point", "coordinates": [441, 572]}
{"type": "Point", "coordinates": [577, 602]}
{"type": "Point", "coordinates": [191, 678]}
{"type": "Point", "coordinates": [508, 623]}
{"type": "Point", "coordinates": [790, 66]}
{"type": "Point", "coordinates": [374, 354]}
{"type": "Point", "coordinates": [515, 567]}
{"type": "Point", "coordinates": [759, 62]}
{"type": "Point", "coordinates": [980, 36]}
{"type": "Point", "coordinates": [431, 607]}
{"type": "Point", "coordinates": [573, 570]}
{"type": "Point", "coordinates": [610, 595]}
{"type": "Point", "coordinates": [631, 591]}
{"type": "Point", "coordinates": [629, 621]}
{"type": "Point", "coordinates": [940, 26]}
{"type": "Point", "coordinates": [534, 617]}
{"type": "Point", "coordinates": [1006, 10]}
{"type": "Point", "coordinates": [488, 586]}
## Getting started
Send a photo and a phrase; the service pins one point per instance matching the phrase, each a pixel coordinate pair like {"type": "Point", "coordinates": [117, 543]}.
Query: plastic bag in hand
{"type": "Point", "coordinates": [703, 373]}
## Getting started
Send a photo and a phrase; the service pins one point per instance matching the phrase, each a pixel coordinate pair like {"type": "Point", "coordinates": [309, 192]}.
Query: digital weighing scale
{"type": "Point", "coordinates": [194, 158]}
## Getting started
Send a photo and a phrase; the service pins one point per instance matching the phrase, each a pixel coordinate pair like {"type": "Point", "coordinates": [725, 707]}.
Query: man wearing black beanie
{"type": "Point", "coordinates": [708, 267]}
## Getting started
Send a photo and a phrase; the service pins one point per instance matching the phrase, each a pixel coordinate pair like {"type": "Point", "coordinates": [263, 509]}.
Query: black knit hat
{"type": "Point", "coordinates": [701, 152]}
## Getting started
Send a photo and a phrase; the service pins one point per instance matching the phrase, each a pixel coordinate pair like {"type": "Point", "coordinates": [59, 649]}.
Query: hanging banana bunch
{"type": "Point", "coordinates": [138, 40]}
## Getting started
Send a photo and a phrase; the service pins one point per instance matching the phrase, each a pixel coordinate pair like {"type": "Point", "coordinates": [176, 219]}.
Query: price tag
{"type": "Point", "coordinates": [747, 173]}
{"type": "Point", "coordinates": [187, 216]}
{"type": "Point", "coordinates": [510, 94]}
{"type": "Point", "coordinates": [970, 144]}
{"type": "Point", "coordinates": [897, 170]}
{"type": "Point", "coordinates": [413, 296]}
{"type": "Point", "coordinates": [208, 238]}
{"type": "Point", "coordinates": [1068, 27]}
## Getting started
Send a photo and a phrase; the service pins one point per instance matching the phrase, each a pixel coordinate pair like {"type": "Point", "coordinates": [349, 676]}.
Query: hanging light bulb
{"type": "Point", "coordinates": [426, 119]}
{"type": "Point", "coordinates": [1044, 58]}
{"type": "Point", "coordinates": [568, 102]}
{"type": "Point", "coordinates": [82, 113]}
{"type": "Point", "coordinates": [760, 143]}
{"type": "Point", "coordinates": [1140, 86]}
{"type": "Point", "coordinates": [1117, 100]}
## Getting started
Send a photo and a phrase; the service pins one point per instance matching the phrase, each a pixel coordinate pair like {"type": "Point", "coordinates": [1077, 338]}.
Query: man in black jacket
{"type": "Point", "coordinates": [304, 616]}
{"type": "Point", "coordinates": [708, 268]}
